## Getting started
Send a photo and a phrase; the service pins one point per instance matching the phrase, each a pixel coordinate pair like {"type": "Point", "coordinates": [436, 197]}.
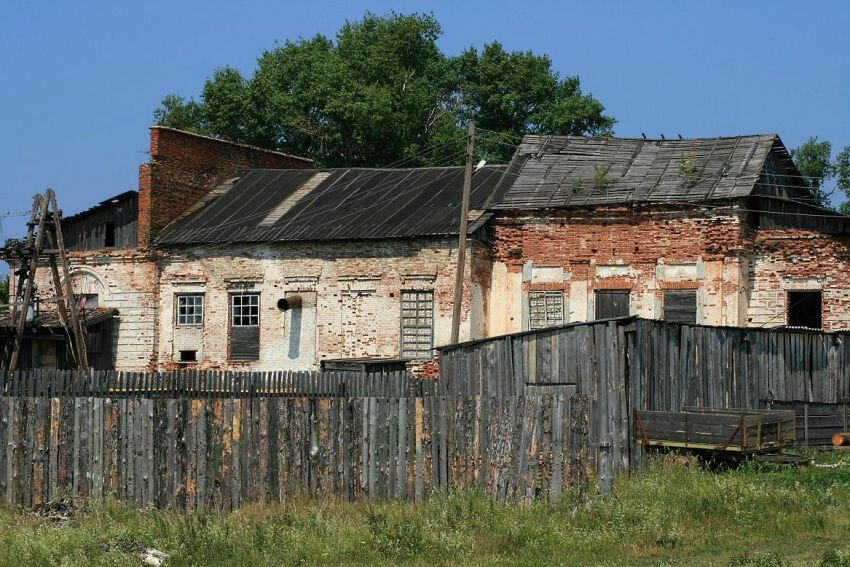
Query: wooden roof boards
{"type": "Point", "coordinates": [345, 204]}
{"type": "Point", "coordinates": [559, 171]}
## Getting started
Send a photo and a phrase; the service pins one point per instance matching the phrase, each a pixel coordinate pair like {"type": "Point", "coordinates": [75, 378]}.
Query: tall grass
{"type": "Point", "coordinates": [755, 515]}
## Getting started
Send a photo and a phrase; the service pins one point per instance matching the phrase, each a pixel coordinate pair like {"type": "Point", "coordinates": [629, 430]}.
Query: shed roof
{"type": "Point", "coordinates": [50, 319]}
{"type": "Point", "coordinates": [105, 204]}
{"type": "Point", "coordinates": [557, 171]}
{"type": "Point", "coordinates": [355, 203]}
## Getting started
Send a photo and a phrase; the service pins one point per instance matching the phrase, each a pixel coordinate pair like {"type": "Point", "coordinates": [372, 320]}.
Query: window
{"type": "Point", "coordinates": [188, 356]}
{"type": "Point", "coordinates": [87, 301]}
{"type": "Point", "coordinates": [545, 309]}
{"type": "Point", "coordinates": [804, 309]}
{"type": "Point", "coordinates": [245, 310]}
{"type": "Point", "coordinates": [417, 324]}
{"type": "Point", "coordinates": [245, 326]}
{"type": "Point", "coordinates": [190, 309]}
{"type": "Point", "coordinates": [109, 235]}
{"type": "Point", "coordinates": [614, 303]}
{"type": "Point", "coordinates": [680, 306]}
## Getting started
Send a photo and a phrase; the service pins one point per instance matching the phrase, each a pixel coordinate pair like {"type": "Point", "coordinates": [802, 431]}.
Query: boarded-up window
{"type": "Point", "coordinates": [190, 309]}
{"type": "Point", "coordinates": [245, 326]}
{"type": "Point", "coordinates": [804, 309]}
{"type": "Point", "coordinates": [417, 323]}
{"type": "Point", "coordinates": [545, 309]}
{"type": "Point", "coordinates": [680, 306]}
{"type": "Point", "coordinates": [612, 303]}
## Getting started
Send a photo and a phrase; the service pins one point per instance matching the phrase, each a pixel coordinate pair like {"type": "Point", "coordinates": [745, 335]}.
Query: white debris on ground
{"type": "Point", "coordinates": [153, 557]}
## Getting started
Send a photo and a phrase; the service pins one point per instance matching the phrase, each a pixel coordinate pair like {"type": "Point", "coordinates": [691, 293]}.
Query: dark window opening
{"type": "Point", "coordinates": [109, 235]}
{"type": "Point", "coordinates": [680, 306]}
{"type": "Point", "coordinates": [188, 356]}
{"type": "Point", "coordinates": [804, 309]}
{"type": "Point", "coordinates": [614, 303]}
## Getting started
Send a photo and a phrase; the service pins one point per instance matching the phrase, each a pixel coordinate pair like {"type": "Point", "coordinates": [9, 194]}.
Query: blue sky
{"type": "Point", "coordinates": [82, 78]}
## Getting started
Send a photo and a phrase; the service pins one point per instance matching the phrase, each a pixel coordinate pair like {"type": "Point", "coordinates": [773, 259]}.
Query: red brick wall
{"type": "Point", "coordinates": [631, 235]}
{"type": "Point", "coordinates": [642, 248]}
{"type": "Point", "coordinates": [184, 166]}
{"type": "Point", "coordinates": [799, 260]}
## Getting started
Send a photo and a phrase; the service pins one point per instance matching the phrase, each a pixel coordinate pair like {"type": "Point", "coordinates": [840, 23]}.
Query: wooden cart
{"type": "Point", "coordinates": [716, 429]}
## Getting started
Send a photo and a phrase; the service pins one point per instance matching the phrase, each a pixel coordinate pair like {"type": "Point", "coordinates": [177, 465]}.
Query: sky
{"type": "Point", "coordinates": [81, 79]}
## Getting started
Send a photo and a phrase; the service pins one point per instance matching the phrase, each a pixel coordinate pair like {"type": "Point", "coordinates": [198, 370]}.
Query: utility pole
{"type": "Point", "coordinates": [464, 220]}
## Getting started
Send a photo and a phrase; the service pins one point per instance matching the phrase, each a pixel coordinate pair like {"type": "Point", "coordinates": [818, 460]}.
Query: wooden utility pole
{"type": "Point", "coordinates": [464, 220]}
{"type": "Point", "coordinates": [44, 225]}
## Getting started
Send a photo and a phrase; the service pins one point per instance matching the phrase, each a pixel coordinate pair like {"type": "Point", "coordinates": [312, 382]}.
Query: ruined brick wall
{"type": "Point", "coordinates": [184, 166]}
{"type": "Point", "coordinates": [124, 280]}
{"type": "Point", "coordinates": [643, 249]}
{"type": "Point", "coordinates": [351, 294]}
{"type": "Point", "coordinates": [798, 260]}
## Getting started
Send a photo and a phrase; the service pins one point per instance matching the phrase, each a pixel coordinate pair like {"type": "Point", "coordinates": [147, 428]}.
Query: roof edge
{"type": "Point", "coordinates": [231, 143]}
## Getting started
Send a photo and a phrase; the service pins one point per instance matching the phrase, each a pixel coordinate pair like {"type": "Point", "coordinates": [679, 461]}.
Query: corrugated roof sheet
{"type": "Point", "coordinates": [557, 171]}
{"type": "Point", "coordinates": [348, 204]}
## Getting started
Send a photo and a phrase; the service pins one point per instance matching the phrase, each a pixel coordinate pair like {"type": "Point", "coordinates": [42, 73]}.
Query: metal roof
{"type": "Point", "coordinates": [557, 171]}
{"type": "Point", "coordinates": [338, 204]}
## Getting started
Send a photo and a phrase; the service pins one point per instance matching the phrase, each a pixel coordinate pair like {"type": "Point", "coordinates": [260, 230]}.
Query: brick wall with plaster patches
{"type": "Point", "coordinates": [798, 260]}
{"type": "Point", "coordinates": [354, 289]}
{"type": "Point", "coordinates": [124, 280]}
{"type": "Point", "coordinates": [644, 249]}
{"type": "Point", "coordinates": [184, 166]}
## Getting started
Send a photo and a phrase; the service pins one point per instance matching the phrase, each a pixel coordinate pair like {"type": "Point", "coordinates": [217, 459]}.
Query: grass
{"type": "Point", "coordinates": [753, 516]}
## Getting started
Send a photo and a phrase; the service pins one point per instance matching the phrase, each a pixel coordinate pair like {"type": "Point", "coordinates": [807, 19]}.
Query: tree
{"type": "Point", "coordinates": [823, 173]}
{"type": "Point", "coordinates": [383, 92]}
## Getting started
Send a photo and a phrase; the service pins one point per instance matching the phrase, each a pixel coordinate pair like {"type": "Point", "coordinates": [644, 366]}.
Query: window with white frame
{"type": "Point", "coordinates": [244, 326]}
{"type": "Point", "coordinates": [545, 309]}
{"type": "Point", "coordinates": [190, 310]}
{"type": "Point", "coordinates": [417, 323]}
{"type": "Point", "coordinates": [245, 310]}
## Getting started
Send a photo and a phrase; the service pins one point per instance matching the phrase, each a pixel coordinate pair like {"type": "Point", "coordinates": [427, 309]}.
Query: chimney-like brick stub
{"type": "Point", "coordinates": [183, 167]}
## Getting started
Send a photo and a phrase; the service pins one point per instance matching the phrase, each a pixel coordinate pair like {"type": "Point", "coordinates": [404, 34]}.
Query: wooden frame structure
{"type": "Point", "coordinates": [44, 239]}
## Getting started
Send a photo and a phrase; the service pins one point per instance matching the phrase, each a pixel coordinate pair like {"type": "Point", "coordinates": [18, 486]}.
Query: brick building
{"type": "Point", "coordinates": [240, 258]}
{"type": "Point", "coordinates": [719, 231]}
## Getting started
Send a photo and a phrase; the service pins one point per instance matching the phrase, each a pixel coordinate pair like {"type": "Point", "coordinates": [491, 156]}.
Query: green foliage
{"type": "Point", "coordinates": [600, 177]}
{"type": "Point", "coordinates": [823, 173]}
{"type": "Point", "coordinates": [759, 515]}
{"type": "Point", "coordinates": [382, 91]}
{"type": "Point", "coordinates": [578, 185]}
{"type": "Point", "coordinates": [4, 290]}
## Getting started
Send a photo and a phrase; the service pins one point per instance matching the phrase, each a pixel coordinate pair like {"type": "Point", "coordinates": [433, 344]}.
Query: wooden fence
{"type": "Point", "coordinates": [631, 363]}
{"type": "Point", "coordinates": [498, 419]}
{"type": "Point", "coordinates": [217, 440]}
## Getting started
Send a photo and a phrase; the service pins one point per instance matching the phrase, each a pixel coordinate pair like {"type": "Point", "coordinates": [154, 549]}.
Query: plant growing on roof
{"type": "Point", "coordinates": [687, 168]}
{"type": "Point", "coordinates": [578, 185]}
{"type": "Point", "coordinates": [600, 177]}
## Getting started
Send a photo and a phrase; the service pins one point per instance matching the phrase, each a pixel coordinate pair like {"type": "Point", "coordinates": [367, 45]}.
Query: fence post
{"type": "Point", "coordinates": [578, 443]}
